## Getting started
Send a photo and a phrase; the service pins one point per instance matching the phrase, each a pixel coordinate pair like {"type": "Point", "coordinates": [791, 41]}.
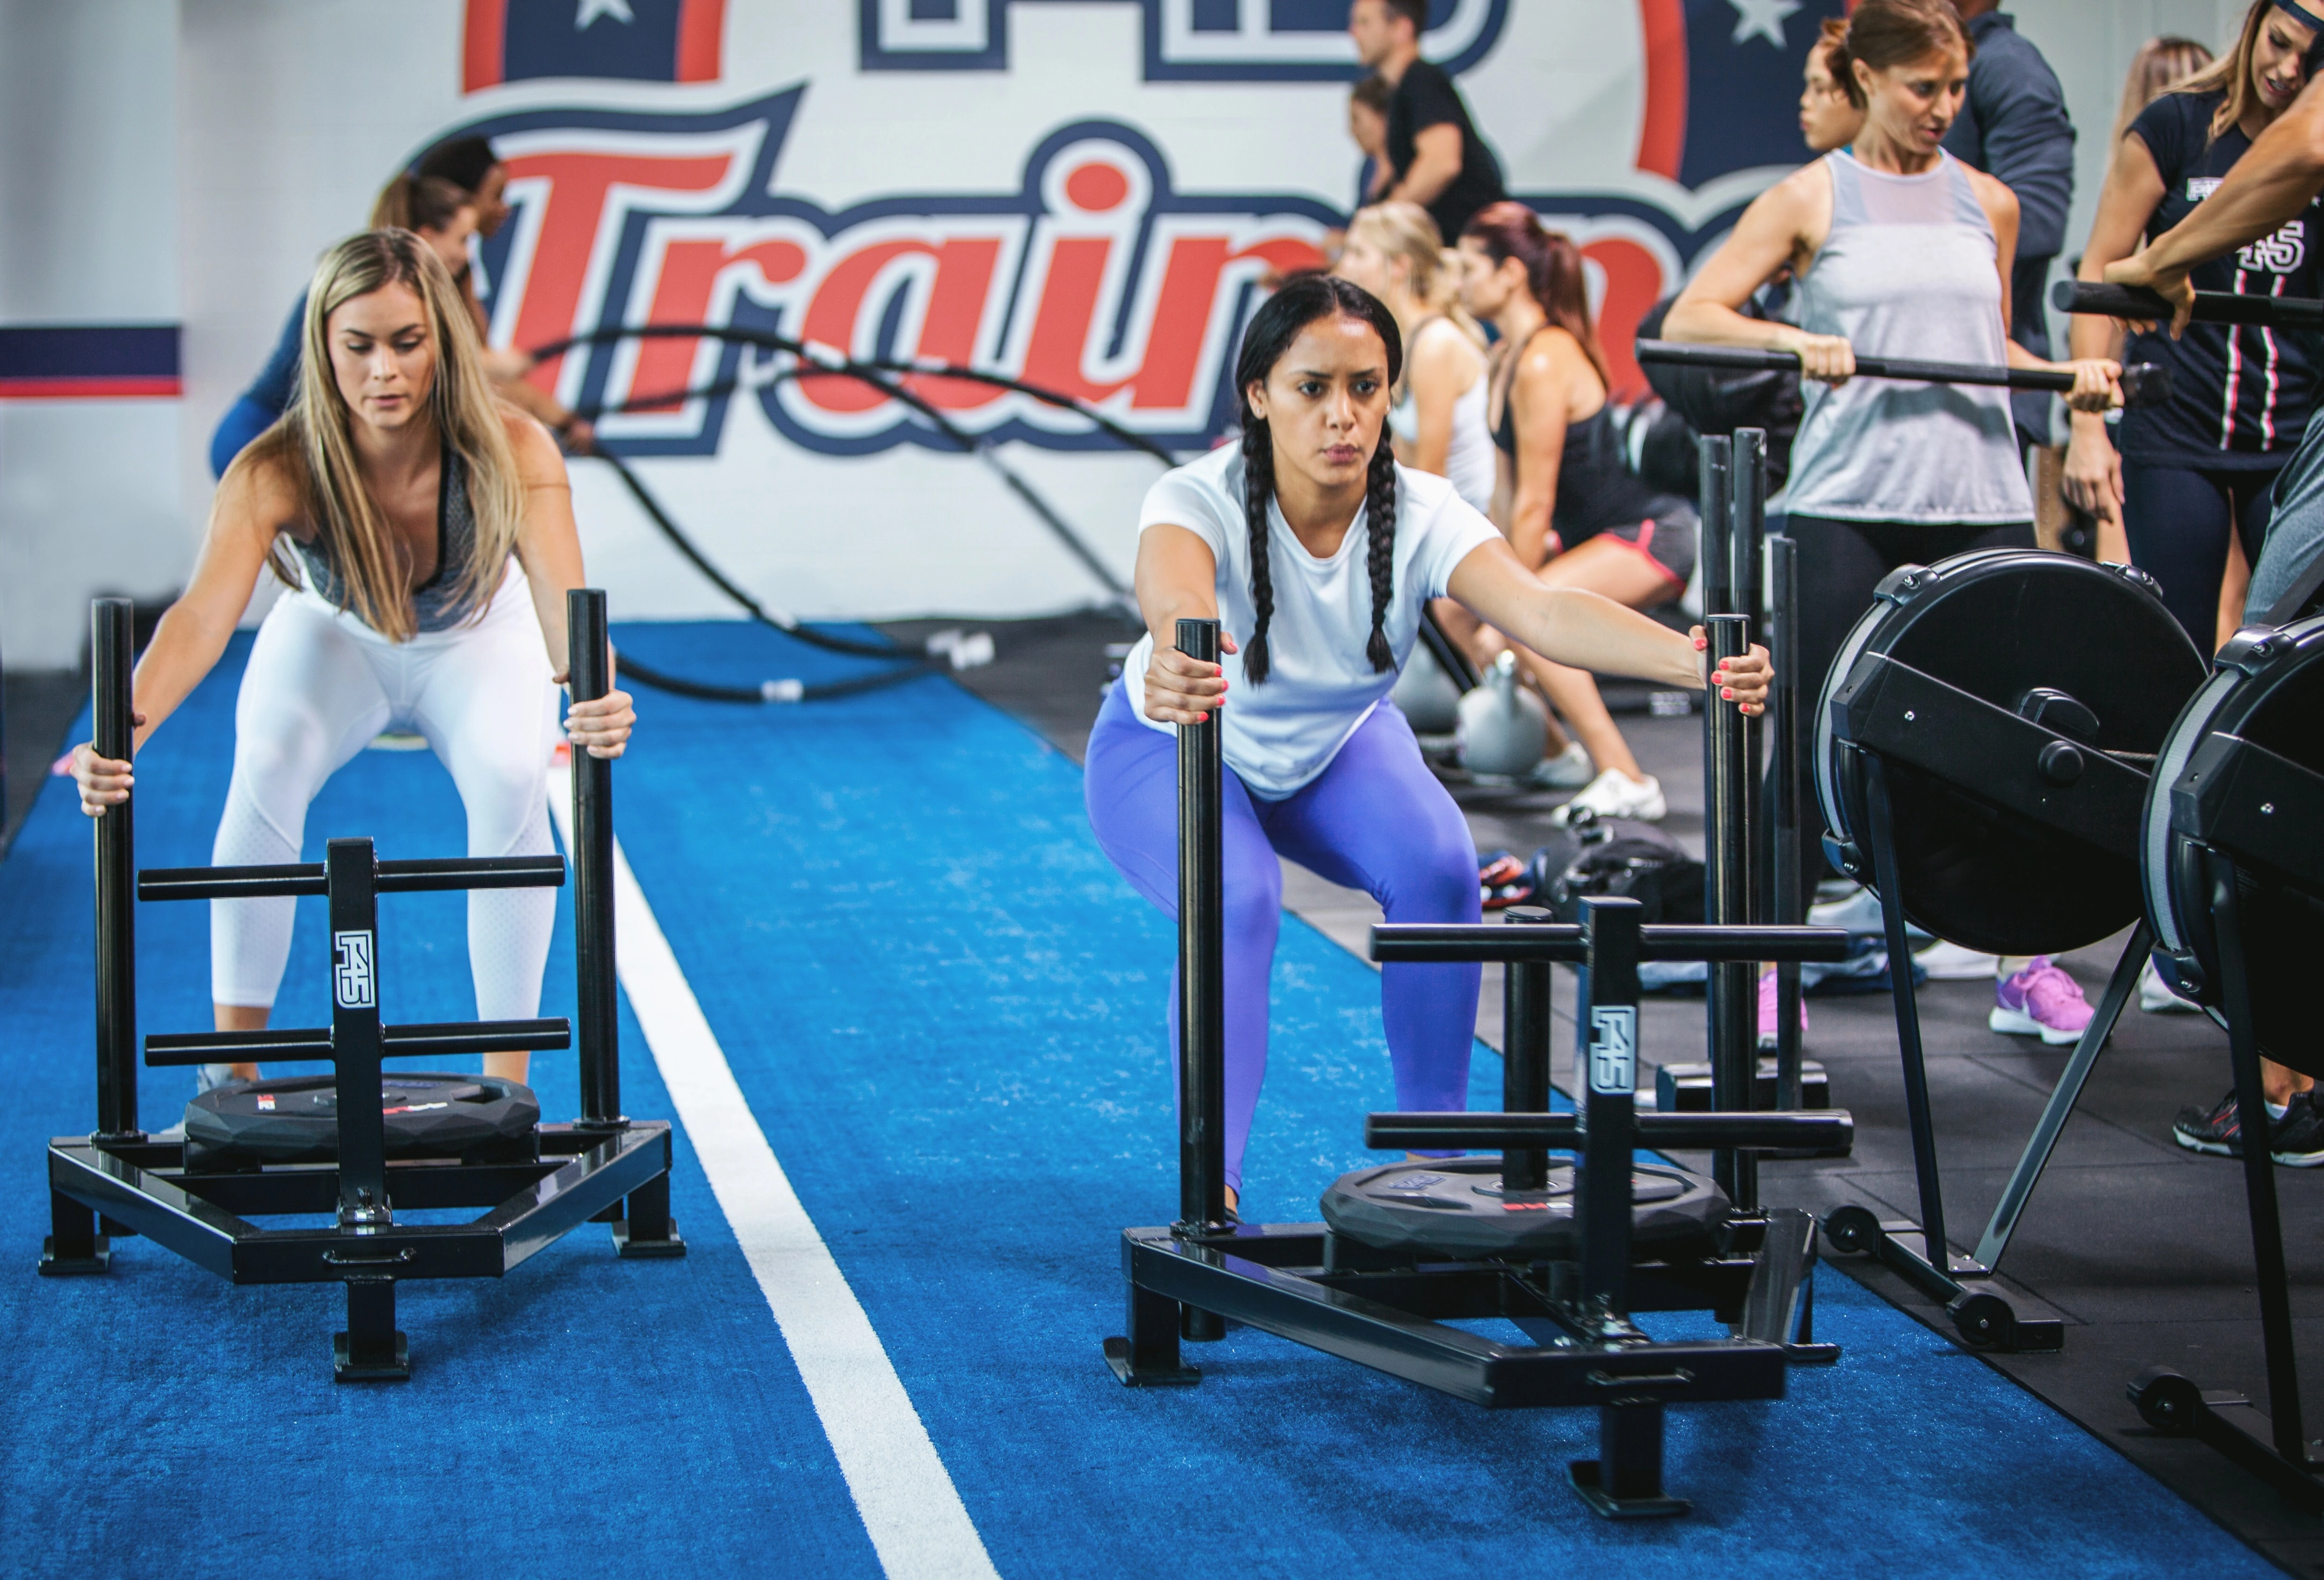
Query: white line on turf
{"type": "Point", "coordinates": [909, 1506]}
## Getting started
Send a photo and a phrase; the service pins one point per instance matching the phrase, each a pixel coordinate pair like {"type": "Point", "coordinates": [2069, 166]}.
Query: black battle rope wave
{"type": "Point", "coordinates": [881, 374]}
{"type": "Point", "coordinates": [886, 375]}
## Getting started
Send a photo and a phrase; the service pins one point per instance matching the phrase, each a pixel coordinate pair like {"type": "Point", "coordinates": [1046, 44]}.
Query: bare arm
{"type": "Point", "coordinates": [2269, 186]}
{"type": "Point", "coordinates": [1569, 625]}
{"type": "Point", "coordinates": [1538, 396]}
{"type": "Point", "coordinates": [2094, 381]}
{"type": "Point", "coordinates": [2092, 481]}
{"type": "Point", "coordinates": [1785, 226]}
{"type": "Point", "coordinates": [549, 547]}
{"type": "Point", "coordinates": [1436, 165]}
{"type": "Point", "coordinates": [1444, 366]}
{"type": "Point", "coordinates": [251, 506]}
{"type": "Point", "coordinates": [1177, 579]}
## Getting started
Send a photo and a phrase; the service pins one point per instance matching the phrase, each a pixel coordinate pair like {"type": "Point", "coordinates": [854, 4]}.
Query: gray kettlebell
{"type": "Point", "coordinates": [1431, 703]}
{"type": "Point", "coordinates": [1504, 730]}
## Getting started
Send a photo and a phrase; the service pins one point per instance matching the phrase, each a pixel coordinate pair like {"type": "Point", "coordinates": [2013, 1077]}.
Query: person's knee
{"type": "Point", "coordinates": [504, 797]}
{"type": "Point", "coordinates": [1439, 877]}
{"type": "Point", "coordinates": [1254, 901]}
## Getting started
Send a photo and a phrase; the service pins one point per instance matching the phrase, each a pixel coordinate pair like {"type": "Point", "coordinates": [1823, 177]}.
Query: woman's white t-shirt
{"type": "Point", "coordinates": [1280, 734]}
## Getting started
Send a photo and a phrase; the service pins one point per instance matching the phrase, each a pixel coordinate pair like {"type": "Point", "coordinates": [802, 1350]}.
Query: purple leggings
{"type": "Point", "coordinates": [1376, 819]}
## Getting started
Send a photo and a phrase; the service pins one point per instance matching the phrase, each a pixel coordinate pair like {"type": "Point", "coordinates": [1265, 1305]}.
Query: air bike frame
{"type": "Point", "coordinates": [1886, 711]}
{"type": "Point", "coordinates": [601, 1167]}
{"type": "Point", "coordinates": [1304, 1283]}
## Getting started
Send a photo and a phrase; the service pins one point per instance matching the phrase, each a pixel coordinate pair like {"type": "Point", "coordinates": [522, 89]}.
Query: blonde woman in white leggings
{"type": "Point", "coordinates": [428, 534]}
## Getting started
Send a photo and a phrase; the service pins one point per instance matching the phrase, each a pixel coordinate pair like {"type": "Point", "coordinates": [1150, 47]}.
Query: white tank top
{"type": "Point", "coordinates": [1907, 272]}
{"type": "Point", "coordinates": [1469, 463]}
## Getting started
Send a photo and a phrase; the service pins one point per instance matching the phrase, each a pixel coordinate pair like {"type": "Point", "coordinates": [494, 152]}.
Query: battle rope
{"type": "Point", "coordinates": [947, 649]}
{"type": "Point", "coordinates": [886, 376]}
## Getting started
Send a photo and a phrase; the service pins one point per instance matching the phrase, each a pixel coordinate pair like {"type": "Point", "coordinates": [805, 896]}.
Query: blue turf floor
{"type": "Point", "coordinates": [946, 1012]}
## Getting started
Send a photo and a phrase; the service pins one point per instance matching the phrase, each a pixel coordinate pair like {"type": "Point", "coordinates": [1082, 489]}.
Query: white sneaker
{"type": "Point", "coordinates": [1569, 770]}
{"type": "Point", "coordinates": [1950, 962]}
{"type": "Point", "coordinates": [2155, 997]}
{"type": "Point", "coordinates": [1615, 794]}
{"type": "Point", "coordinates": [1859, 913]}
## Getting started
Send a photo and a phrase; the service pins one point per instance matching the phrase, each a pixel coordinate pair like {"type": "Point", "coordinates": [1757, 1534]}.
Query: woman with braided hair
{"type": "Point", "coordinates": [1316, 552]}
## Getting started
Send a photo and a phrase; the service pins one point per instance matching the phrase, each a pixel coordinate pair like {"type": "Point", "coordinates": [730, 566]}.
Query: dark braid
{"type": "Point", "coordinates": [1258, 488]}
{"type": "Point", "coordinates": [1379, 512]}
{"type": "Point", "coordinates": [1271, 330]}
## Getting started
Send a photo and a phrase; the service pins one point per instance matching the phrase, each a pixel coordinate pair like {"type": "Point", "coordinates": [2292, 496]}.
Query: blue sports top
{"type": "Point", "coordinates": [2240, 393]}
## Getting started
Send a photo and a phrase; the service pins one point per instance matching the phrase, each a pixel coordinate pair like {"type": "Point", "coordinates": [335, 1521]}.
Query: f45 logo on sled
{"type": "Point", "coordinates": [352, 982]}
{"type": "Point", "coordinates": [1614, 1049]}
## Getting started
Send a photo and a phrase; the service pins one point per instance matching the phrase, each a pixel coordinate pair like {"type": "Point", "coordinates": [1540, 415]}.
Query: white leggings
{"type": "Point", "coordinates": [319, 686]}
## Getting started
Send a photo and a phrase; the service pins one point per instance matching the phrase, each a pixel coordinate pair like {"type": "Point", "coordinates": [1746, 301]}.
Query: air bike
{"type": "Point", "coordinates": [1565, 1253]}
{"type": "Point", "coordinates": [361, 1143]}
{"type": "Point", "coordinates": [1984, 743]}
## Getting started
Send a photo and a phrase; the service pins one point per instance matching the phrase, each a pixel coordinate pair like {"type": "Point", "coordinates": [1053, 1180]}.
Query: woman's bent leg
{"type": "Point", "coordinates": [487, 704]}
{"type": "Point", "coordinates": [1131, 789]}
{"type": "Point", "coordinates": [309, 702]}
{"type": "Point", "coordinates": [1378, 820]}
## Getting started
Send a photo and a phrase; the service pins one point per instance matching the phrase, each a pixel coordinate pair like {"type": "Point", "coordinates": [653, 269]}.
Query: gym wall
{"type": "Point", "coordinates": [1084, 194]}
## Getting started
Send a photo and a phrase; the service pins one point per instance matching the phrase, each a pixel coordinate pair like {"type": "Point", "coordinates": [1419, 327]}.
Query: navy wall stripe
{"type": "Point", "coordinates": [89, 351]}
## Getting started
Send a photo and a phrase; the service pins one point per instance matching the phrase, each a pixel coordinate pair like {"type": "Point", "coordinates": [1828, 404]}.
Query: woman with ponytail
{"type": "Point", "coordinates": [1566, 497]}
{"type": "Point", "coordinates": [1316, 552]}
{"type": "Point", "coordinates": [1900, 249]}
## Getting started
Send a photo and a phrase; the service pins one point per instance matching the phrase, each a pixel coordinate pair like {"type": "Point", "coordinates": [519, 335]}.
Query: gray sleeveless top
{"type": "Point", "coordinates": [435, 602]}
{"type": "Point", "coordinates": [1907, 270]}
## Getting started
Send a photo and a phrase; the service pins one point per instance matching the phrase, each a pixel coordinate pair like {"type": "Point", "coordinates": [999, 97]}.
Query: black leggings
{"type": "Point", "coordinates": [1840, 563]}
{"type": "Point", "coordinates": [2177, 518]}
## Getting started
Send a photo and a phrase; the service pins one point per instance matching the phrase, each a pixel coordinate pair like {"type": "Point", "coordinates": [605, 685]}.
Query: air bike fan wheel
{"type": "Point", "coordinates": [2009, 840]}
{"type": "Point", "coordinates": [2241, 775]}
{"type": "Point", "coordinates": [1983, 751]}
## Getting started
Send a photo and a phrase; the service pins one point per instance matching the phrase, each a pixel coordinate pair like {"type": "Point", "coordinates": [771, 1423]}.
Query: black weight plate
{"type": "Point", "coordinates": [2269, 691]}
{"type": "Point", "coordinates": [1999, 624]}
{"type": "Point", "coordinates": [1453, 1209]}
{"type": "Point", "coordinates": [296, 1119]}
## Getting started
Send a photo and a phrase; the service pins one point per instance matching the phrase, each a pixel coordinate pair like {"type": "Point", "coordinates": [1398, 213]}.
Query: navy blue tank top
{"type": "Point", "coordinates": [2240, 395]}
{"type": "Point", "coordinates": [1595, 488]}
{"type": "Point", "coordinates": [436, 604]}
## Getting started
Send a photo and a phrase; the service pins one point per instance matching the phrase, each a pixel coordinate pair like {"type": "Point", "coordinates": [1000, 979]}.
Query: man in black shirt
{"type": "Point", "coordinates": [1440, 162]}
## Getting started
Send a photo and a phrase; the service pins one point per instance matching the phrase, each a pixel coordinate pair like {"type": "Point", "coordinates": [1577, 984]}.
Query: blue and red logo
{"type": "Point", "coordinates": [1097, 277]}
{"type": "Point", "coordinates": [1184, 40]}
{"type": "Point", "coordinates": [636, 40]}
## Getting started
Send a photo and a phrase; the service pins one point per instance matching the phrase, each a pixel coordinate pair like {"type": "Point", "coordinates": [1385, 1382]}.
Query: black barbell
{"type": "Point", "coordinates": [2211, 306]}
{"type": "Point", "coordinates": [2143, 383]}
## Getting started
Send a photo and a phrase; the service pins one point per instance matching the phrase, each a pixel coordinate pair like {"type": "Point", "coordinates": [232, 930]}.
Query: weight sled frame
{"type": "Point", "coordinates": [1393, 1310]}
{"type": "Point", "coordinates": [118, 1181]}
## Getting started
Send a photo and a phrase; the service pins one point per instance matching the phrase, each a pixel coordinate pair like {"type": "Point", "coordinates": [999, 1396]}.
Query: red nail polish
{"type": "Point", "coordinates": [1728, 693]}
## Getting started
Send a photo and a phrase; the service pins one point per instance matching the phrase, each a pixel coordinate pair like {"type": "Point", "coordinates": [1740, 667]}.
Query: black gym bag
{"type": "Point", "coordinates": [1635, 861]}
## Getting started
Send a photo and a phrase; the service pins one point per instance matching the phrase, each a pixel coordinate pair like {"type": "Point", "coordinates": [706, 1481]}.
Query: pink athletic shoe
{"type": "Point", "coordinates": [2041, 1001]}
{"type": "Point", "coordinates": [1767, 1011]}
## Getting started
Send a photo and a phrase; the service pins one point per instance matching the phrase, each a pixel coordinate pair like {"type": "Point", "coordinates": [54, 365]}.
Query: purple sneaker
{"type": "Point", "coordinates": [2041, 1001]}
{"type": "Point", "coordinates": [1767, 1011]}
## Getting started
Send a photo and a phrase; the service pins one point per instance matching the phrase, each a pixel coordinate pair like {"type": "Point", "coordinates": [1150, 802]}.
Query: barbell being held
{"type": "Point", "coordinates": [2089, 384]}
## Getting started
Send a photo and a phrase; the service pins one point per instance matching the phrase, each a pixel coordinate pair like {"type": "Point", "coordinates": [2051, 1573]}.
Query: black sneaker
{"type": "Point", "coordinates": [2217, 1133]}
{"type": "Point", "coordinates": [2297, 1139]}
